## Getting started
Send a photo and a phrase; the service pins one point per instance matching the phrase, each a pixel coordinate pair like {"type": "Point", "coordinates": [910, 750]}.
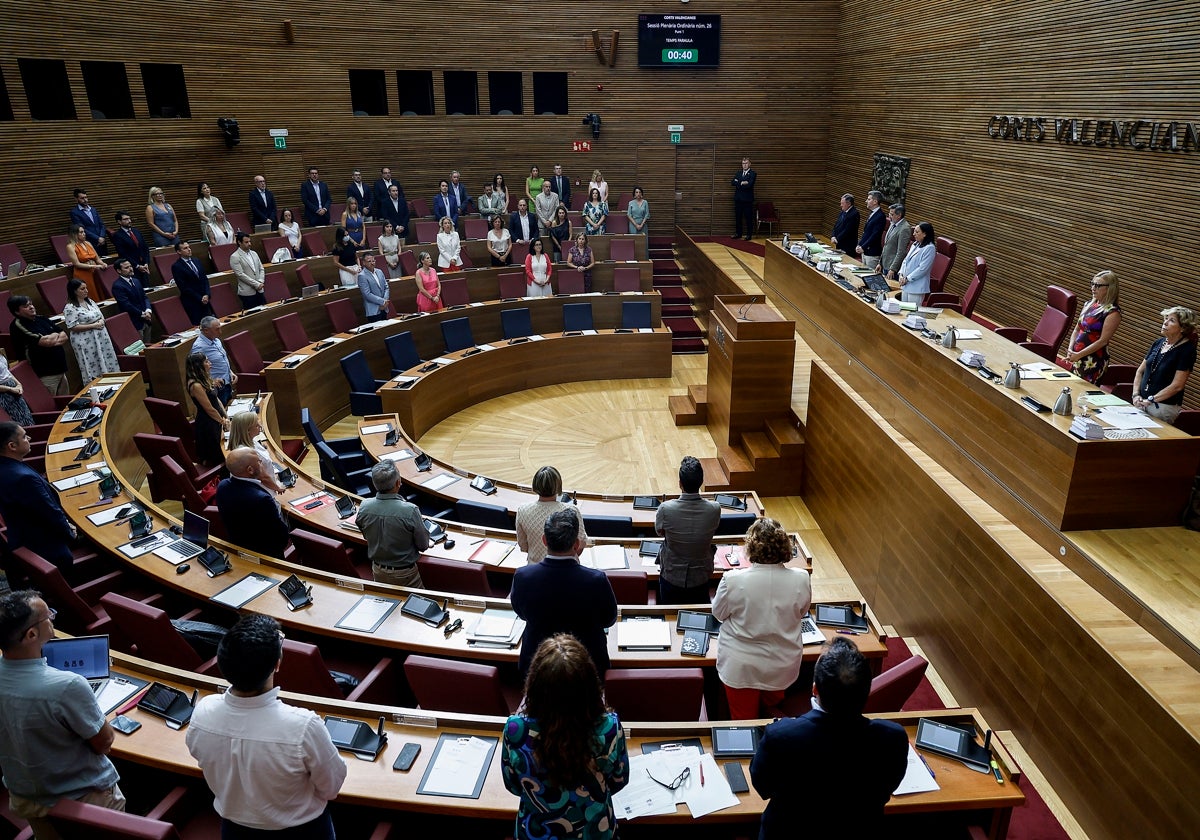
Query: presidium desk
{"type": "Point", "coordinates": [1071, 483]}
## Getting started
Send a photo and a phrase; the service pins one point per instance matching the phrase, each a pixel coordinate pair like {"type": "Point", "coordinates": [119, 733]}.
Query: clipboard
{"type": "Point", "coordinates": [425, 787]}
{"type": "Point", "coordinates": [365, 609]}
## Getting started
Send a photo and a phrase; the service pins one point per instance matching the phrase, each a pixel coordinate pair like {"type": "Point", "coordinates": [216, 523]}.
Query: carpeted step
{"type": "Point", "coordinates": [683, 327]}
{"type": "Point", "coordinates": [674, 294]}
{"type": "Point", "coordinates": [677, 310]}
{"type": "Point", "coordinates": [661, 281]}
{"type": "Point", "coordinates": [665, 267]}
{"type": "Point", "coordinates": [688, 346]}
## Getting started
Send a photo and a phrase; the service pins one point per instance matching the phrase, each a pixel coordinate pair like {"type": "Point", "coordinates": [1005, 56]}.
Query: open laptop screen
{"type": "Point", "coordinates": [83, 655]}
{"type": "Point", "coordinates": [195, 529]}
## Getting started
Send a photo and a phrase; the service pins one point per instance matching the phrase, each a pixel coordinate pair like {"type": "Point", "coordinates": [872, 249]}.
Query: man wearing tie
{"type": "Point", "coordinates": [85, 214]}
{"type": "Point", "coordinates": [743, 199]}
{"type": "Point", "coordinates": [445, 205]}
{"type": "Point", "coordinates": [560, 185]}
{"type": "Point", "coordinates": [132, 246]}
{"type": "Point", "coordinates": [394, 209]}
{"type": "Point", "coordinates": [131, 298]}
{"type": "Point", "coordinates": [377, 303]}
{"type": "Point", "coordinates": [845, 230]}
{"type": "Point", "coordinates": [459, 191]}
{"type": "Point", "coordinates": [192, 282]}
{"type": "Point", "coordinates": [361, 191]}
{"type": "Point", "coordinates": [262, 204]}
{"type": "Point", "coordinates": [315, 195]}
{"type": "Point", "coordinates": [870, 246]}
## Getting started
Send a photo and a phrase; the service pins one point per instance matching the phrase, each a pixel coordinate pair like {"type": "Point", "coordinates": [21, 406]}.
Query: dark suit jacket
{"type": "Point", "coordinates": [845, 230]}
{"type": "Point", "coordinates": [745, 193]}
{"type": "Point", "coordinates": [92, 225]}
{"type": "Point", "coordinates": [251, 519]}
{"type": "Point", "coordinates": [314, 199]}
{"type": "Point", "coordinates": [137, 252]}
{"type": "Point", "coordinates": [397, 215]}
{"type": "Point", "coordinates": [445, 206]}
{"type": "Point", "coordinates": [558, 595]}
{"type": "Point", "coordinates": [514, 225]}
{"type": "Point", "coordinates": [873, 753]}
{"type": "Point", "coordinates": [379, 193]}
{"type": "Point", "coordinates": [132, 299]}
{"type": "Point", "coordinates": [263, 212]}
{"type": "Point", "coordinates": [563, 189]}
{"type": "Point", "coordinates": [872, 236]}
{"type": "Point", "coordinates": [192, 286]}
{"type": "Point", "coordinates": [462, 199]}
{"type": "Point", "coordinates": [364, 197]}
{"type": "Point", "coordinates": [32, 513]}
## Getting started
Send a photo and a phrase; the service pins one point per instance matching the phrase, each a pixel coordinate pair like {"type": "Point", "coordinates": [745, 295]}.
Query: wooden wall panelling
{"type": "Point", "coordinates": [656, 177]}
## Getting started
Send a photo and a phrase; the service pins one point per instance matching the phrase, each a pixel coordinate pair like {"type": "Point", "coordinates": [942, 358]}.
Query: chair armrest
{"type": "Point", "coordinates": [205, 476]}
{"type": "Point", "coordinates": [945, 300]}
{"type": "Point", "coordinates": [175, 807]}
{"type": "Point", "coordinates": [383, 831]}
{"type": "Point", "coordinates": [1013, 334]}
{"type": "Point", "coordinates": [209, 668]}
{"type": "Point", "coordinates": [91, 591]}
{"type": "Point", "coordinates": [378, 686]}
{"type": "Point", "coordinates": [345, 446]}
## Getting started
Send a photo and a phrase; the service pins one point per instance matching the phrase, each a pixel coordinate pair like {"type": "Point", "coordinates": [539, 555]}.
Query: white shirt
{"type": "Point", "coordinates": [761, 607]}
{"type": "Point", "coordinates": [269, 765]}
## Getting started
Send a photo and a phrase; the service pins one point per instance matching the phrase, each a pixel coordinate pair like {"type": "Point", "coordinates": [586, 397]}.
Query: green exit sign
{"type": "Point", "coordinates": [676, 136]}
{"type": "Point", "coordinates": [280, 142]}
{"type": "Point", "coordinates": [681, 56]}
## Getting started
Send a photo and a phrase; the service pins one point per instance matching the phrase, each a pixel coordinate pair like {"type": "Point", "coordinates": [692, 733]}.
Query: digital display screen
{"type": "Point", "coordinates": [941, 737]}
{"type": "Point", "coordinates": [679, 41]}
{"type": "Point", "coordinates": [741, 740]}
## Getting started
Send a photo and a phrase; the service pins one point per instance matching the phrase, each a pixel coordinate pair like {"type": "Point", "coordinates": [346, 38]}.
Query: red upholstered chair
{"type": "Point", "coordinates": [966, 303]}
{"type": "Point", "coordinates": [512, 284]}
{"type": "Point", "coordinates": [219, 255]}
{"type": "Point", "coordinates": [425, 231]}
{"type": "Point", "coordinates": [336, 209]}
{"type": "Point", "coordinates": [943, 262]}
{"type": "Point", "coordinates": [570, 282]}
{"type": "Point", "coordinates": [77, 613]}
{"type": "Point", "coordinates": [445, 685]}
{"type": "Point", "coordinates": [224, 300]}
{"type": "Point", "coordinates": [6, 317]}
{"type": "Point", "coordinates": [173, 818]}
{"type": "Point", "coordinates": [153, 447]}
{"type": "Point", "coordinates": [275, 287]}
{"type": "Point", "coordinates": [318, 552]}
{"type": "Point", "coordinates": [1114, 375]}
{"type": "Point", "coordinates": [1123, 391]}
{"type": "Point", "coordinates": [108, 279]}
{"type": "Point", "coordinates": [578, 199]}
{"type": "Point", "coordinates": [162, 264]}
{"type": "Point", "coordinates": [171, 421]}
{"type": "Point", "coordinates": [248, 361]}
{"type": "Point", "coordinates": [520, 250]}
{"type": "Point", "coordinates": [371, 235]}
{"type": "Point", "coordinates": [58, 241]}
{"type": "Point", "coordinates": [623, 202]}
{"type": "Point", "coordinates": [291, 332]}
{"type": "Point", "coordinates": [408, 263]}
{"type": "Point", "coordinates": [766, 215]}
{"type": "Point", "coordinates": [54, 292]}
{"type": "Point", "coordinates": [171, 315]}
{"type": "Point", "coordinates": [177, 485]}
{"type": "Point", "coordinates": [1188, 421]}
{"type": "Point", "coordinates": [240, 220]}
{"type": "Point", "coordinates": [629, 585]}
{"type": "Point", "coordinates": [271, 244]}
{"type": "Point", "coordinates": [655, 694]}
{"type": "Point", "coordinates": [304, 671]}
{"type": "Point", "coordinates": [472, 228]}
{"type": "Point", "coordinates": [621, 250]}
{"type": "Point", "coordinates": [45, 406]}
{"type": "Point", "coordinates": [626, 278]}
{"type": "Point", "coordinates": [464, 260]}
{"type": "Point", "coordinates": [455, 576]}
{"type": "Point", "coordinates": [9, 254]}
{"type": "Point", "coordinates": [454, 292]}
{"type": "Point", "coordinates": [121, 331]}
{"type": "Point", "coordinates": [420, 207]}
{"type": "Point", "coordinates": [313, 244]}
{"type": "Point", "coordinates": [1051, 328]}
{"type": "Point", "coordinates": [304, 276]}
{"type": "Point", "coordinates": [342, 317]}
{"type": "Point", "coordinates": [891, 689]}
{"type": "Point", "coordinates": [153, 635]}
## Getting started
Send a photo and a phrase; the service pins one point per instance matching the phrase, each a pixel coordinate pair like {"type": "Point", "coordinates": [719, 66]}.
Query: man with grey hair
{"type": "Point", "coordinates": [459, 192]}
{"type": "Point", "coordinates": [395, 532]}
{"type": "Point", "coordinates": [845, 229]}
{"type": "Point", "coordinates": [870, 246]}
{"type": "Point", "coordinates": [895, 242]}
{"type": "Point", "coordinates": [209, 343]}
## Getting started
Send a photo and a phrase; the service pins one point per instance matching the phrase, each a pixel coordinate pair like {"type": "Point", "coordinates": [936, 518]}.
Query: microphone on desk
{"type": "Point", "coordinates": [741, 313]}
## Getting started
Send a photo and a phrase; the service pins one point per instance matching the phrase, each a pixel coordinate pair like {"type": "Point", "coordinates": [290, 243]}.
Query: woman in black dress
{"type": "Point", "coordinates": [210, 414]}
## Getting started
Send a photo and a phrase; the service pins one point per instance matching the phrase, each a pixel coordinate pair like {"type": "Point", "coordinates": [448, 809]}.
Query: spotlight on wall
{"type": "Point", "coordinates": [594, 121]}
{"type": "Point", "coordinates": [229, 128]}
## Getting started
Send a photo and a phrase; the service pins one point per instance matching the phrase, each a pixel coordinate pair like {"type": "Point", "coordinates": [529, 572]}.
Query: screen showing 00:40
{"type": "Point", "coordinates": [679, 40]}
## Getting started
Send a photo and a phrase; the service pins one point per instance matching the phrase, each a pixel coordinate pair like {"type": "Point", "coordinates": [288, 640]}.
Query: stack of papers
{"type": "Point", "coordinates": [972, 358]}
{"type": "Point", "coordinates": [604, 557]}
{"type": "Point", "coordinates": [1086, 428]}
{"type": "Point", "coordinates": [704, 791]}
{"type": "Point", "coordinates": [643, 633]}
{"type": "Point", "coordinates": [496, 629]}
{"type": "Point", "coordinates": [1126, 417]}
{"type": "Point", "coordinates": [493, 552]}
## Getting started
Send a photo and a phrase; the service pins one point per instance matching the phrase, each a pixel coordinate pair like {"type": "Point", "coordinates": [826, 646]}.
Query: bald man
{"type": "Point", "coordinates": [248, 508]}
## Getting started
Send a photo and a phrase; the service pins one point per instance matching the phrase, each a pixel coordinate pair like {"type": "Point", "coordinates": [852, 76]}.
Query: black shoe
{"type": "Point", "coordinates": [749, 238]}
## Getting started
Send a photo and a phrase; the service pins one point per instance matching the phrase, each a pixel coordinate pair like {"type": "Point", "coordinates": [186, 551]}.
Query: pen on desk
{"type": "Point", "coordinates": [100, 503]}
{"type": "Point", "coordinates": [850, 632]}
{"type": "Point", "coordinates": [80, 493]}
{"type": "Point", "coordinates": [996, 772]}
{"type": "Point", "coordinates": [478, 541]}
{"type": "Point", "coordinates": [927, 767]}
{"type": "Point", "coordinates": [701, 774]}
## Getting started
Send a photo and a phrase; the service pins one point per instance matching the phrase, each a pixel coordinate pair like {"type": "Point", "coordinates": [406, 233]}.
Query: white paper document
{"type": "Point", "coordinates": [604, 557]}
{"type": "Point", "coordinates": [153, 541]}
{"type": "Point", "coordinates": [68, 445]}
{"type": "Point", "coordinates": [398, 455]}
{"type": "Point", "coordinates": [115, 692]}
{"type": "Point", "coordinates": [1126, 417]}
{"type": "Point", "coordinates": [918, 778]}
{"type": "Point", "coordinates": [103, 517]}
{"type": "Point", "coordinates": [440, 481]}
{"type": "Point", "coordinates": [643, 634]}
{"type": "Point", "coordinates": [457, 766]}
{"type": "Point", "coordinates": [706, 789]}
{"type": "Point", "coordinates": [965, 335]}
{"type": "Point", "coordinates": [643, 796]}
{"type": "Point", "coordinates": [367, 613]}
{"type": "Point", "coordinates": [75, 481]}
{"type": "Point", "coordinates": [245, 590]}
{"type": "Point", "coordinates": [377, 429]}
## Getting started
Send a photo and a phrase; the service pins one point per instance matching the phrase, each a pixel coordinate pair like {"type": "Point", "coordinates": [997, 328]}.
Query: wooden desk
{"type": "Point", "coordinates": [376, 784]}
{"type": "Point", "coordinates": [318, 384]}
{"type": "Point", "coordinates": [1067, 481]}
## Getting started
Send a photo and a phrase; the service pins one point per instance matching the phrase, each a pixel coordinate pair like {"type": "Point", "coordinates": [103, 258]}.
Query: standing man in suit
{"type": "Point", "coordinates": [895, 242]}
{"type": "Point", "coordinates": [460, 192]}
{"type": "Point", "coordinates": [687, 525]}
{"type": "Point", "coordinates": [131, 245]}
{"type": "Point", "coordinates": [560, 185]}
{"type": "Point", "coordinates": [262, 204]}
{"type": "Point", "coordinates": [315, 195]}
{"type": "Point", "coordinates": [358, 189]}
{"type": "Point", "coordinates": [870, 246]}
{"type": "Point", "coordinates": [83, 213]}
{"type": "Point", "coordinates": [523, 225]}
{"type": "Point", "coordinates": [131, 297]}
{"type": "Point", "coordinates": [248, 509]}
{"type": "Point", "coordinates": [874, 753]}
{"type": "Point", "coordinates": [29, 504]}
{"type": "Point", "coordinates": [393, 208]}
{"type": "Point", "coordinates": [377, 302]}
{"type": "Point", "coordinates": [192, 281]}
{"type": "Point", "coordinates": [445, 204]}
{"type": "Point", "coordinates": [743, 199]}
{"type": "Point", "coordinates": [380, 191]}
{"type": "Point", "coordinates": [845, 229]}
{"type": "Point", "coordinates": [248, 269]}
{"type": "Point", "coordinates": [558, 595]}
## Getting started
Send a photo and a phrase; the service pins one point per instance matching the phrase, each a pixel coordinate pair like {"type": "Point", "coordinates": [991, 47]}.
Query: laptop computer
{"type": "Point", "coordinates": [263, 228]}
{"type": "Point", "coordinates": [875, 282]}
{"type": "Point", "coordinates": [86, 656]}
{"type": "Point", "coordinates": [310, 291]}
{"type": "Point", "coordinates": [191, 544]}
{"type": "Point", "coordinates": [14, 269]}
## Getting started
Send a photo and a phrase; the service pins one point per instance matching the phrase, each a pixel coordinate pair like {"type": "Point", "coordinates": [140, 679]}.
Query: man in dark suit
{"type": "Point", "coordinates": [29, 504]}
{"type": "Point", "coordinates": [315, 194]}
{"type": "Point", "coordinates": [523, 225]}
{"type": "Point", "coordinates": [192, 281]}
{"type": "Point", "coordinates": [394, 209]}
{"type": "Point", "coordinates": [743, 199]}
{"type": "Point", "coordinates": [83, 213]}
{"type": "Point", "coordinates": [131, 297]}
{"type": "Point", "coordinates": [845, 230]}
{"type": "Point", "coordinates": [461, 196]}
{"type": "Point", "coordinates": [379, 190]}
{"type": "Point", "coordinates": [558, 595]}
{"type": "Point", "coordinates": [870, 246]}
{"type": "Point", "coordinates": [360, 190]}
{"type": "Point", "coordinates": [561, 184]}
{"type": "Point", "coordinates": [445, 204]}
{"type": "Point", "coordinates": [248, 509]}
{"type": "Point", "coordinates": [262, 204]}
{"type": "Point", "coordinates": [131, 245]}
{"type": "Point", "coordinates": [846, 745]}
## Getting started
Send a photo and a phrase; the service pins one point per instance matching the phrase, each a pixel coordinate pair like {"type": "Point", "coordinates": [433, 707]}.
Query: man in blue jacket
{"type": "Point", "coordinates": [29, 504]}
{"type": "Point", "coordinates": [248, 509]}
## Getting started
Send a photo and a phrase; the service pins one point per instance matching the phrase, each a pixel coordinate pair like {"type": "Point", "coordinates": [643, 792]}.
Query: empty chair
{"type": "Point", "coordinates": [177, 485]}
{"type": "Point", "coordinates": [570, 282]}
{"type": "Point", "coordinates": [54, 292]}
{"type": "Point", "coordinates": [341, 315]}
{"type": "Point", "coordinates": [313, 244]}
{"type": "Point", "coordinates": [426, 231]}
{"type": "Point", "coordinates": [318, 552]}
{"type": "Point", "coordinates": [303, 670]}
{"type": "Point", "coordinates": [348, 451]}
{"type": "Point", "coordinates": [271, 244]}
{"type": "Point", "coordinates": [483, 514]}
{"type": "Point", "coordinates": [108, 279]}
{"type": "Point", "coordinates": [153, 635]}
{"type": "Point", "coordinates": [629, 585]}
{"type": "Point", "coordinates": [11, 253]}
{"type": "Point", "coordinates": [635, 315]}
{"type": "Point", "coordinates": [58, 241]}
{"type": "Point", "coordinates": [304, 276]}
{"type": "Point", "coordinates": [219, 255]}
{"type": "Point", "coordinates": [1188, 421]}
{"type": "Point", "coordinates": [457, 334]}
{"type": "Point", "coordinates": [966, 303]}
{"type": "Point", "coordinates": [464, 260]}
{"type": "Point", "coordinates": [1114, 375]}
{"type": "Point", "coordinates": [519, 251]}
{"type": "Point", "coordinates": [171, 315]}
{"type": "Point", "coordinates": [420, 207]}
{"type": "Point", "coordinates": [171, 421]}
{"type": "Point", "coordinates": [1051, 328]}
{"type": "Point", "coordinates": [153, 447]}
{"type": "Point", "coordinates": [275, 287]}
{"type": "Point", "coordinates": [626, 278]}
{"type": "Point", "coordinates": [76, 611]}
{"type": "Point", "coordinates": [357, 481]}
{"type": "Point", "coordinates": [608, 526]}
{"type": "Point", "coordinates": [408, 263]}
{"type": "Point", "coordinates": [516, 323]}
{"type": "Point", "coordinates": [455, 576]}
{"type": "Point", "coordinates": [162, 264]}
{"type": "Point", "coordinates": [291, 332]}
{"type": "Point", "coordinates": [223, 300]}
{"type": "Point", "coordinates": [74, 819]}
{"type": "Point", "coordinates": [621, 250]}
{"type": "Point", "coordinates": [403, 352]}
{"type": "Point", "coordinates": [512, 285]}
{"type": "Point", "coordinates": [891, 689]}
{"type": "Point", "coordinates": [734, 524]}
{"type": "Point", "coordinates": [577, 316]}
{"type": "Point", "coordinates": [655, 694]}
{"type": "Point", "coordinates": [123, 335]}
{"type": "Point", "coordinates": [454, 292]}
{"type": "Point", "coordinates": [248, 361]}
{"type": "Point", "coordinates": [943, 262]}
{"type": "Point", "coordinates": [363, 399]}
{"type": "Point", "coordinates": [444, 685]}
{"type": "Point", "coordinates": [766, 214]}
{"type": "Point", "coordinates": [472, 228]}
{"type": "Point", "coordinates": [42, 403]}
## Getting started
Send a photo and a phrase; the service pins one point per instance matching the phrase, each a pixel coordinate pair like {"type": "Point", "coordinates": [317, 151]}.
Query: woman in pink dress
{"type": "Point", "coordinates": [429, 287]}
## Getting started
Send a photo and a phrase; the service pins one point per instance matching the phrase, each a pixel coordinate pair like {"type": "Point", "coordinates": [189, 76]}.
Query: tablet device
{"type": "Point", "coordinates": [953, 742]}
{"type": "Point", "coordinates": [735, 741]}
{"type": "Point", "coordinates": [646, 502]}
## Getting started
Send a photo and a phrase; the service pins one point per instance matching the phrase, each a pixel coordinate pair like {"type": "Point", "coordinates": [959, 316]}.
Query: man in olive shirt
{"type": "Point", "coordinates": [395, 532]}
{"type": "Point", "coordinates": [687, 525]}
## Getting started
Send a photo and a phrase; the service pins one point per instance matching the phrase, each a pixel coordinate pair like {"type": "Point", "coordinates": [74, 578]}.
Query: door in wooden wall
{"type": "Point", "coordinates": [656, 177]}
{"type": "Point", "coordinates": [694, 189]}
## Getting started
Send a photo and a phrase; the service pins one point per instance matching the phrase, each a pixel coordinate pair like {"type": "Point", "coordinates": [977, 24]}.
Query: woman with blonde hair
{"type": "Point", "coordinates": [598, 183]}
{"type": "Point", "coordinates": [160, 216]}
{"type": "Point", "coordinates": [1088, 353]}
{"type": "Point", "coordinates": [531, 518]}
{"type": "Point", "coordinates": [244, 429]}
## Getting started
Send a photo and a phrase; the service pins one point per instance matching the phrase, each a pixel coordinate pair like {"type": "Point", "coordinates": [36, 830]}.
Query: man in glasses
{"type": "Point", "coordinates": [29, 504]}
{"type": "Point", "coordinates": [53, 736]}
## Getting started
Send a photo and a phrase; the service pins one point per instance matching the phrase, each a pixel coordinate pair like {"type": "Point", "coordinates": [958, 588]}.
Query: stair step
{"type": "Point", "coordinates": [782, 431]}
{"type": "Point", "coordinates": [669, 281]}
{"type": "Point", "coordinates": [688, 346]}
{"type": "Point", "coordinates": [665, 267]}
{"type": "Point", "coordinates": [683, 327]}
{"type": "Point", "coordinates": [715, 478]}
{"type": "Point", "coordinates": [698, 393]}
{"type": "Point", "coordinates": [685, 412]}
{"type": "Point", "coordinates": [759, 448]}
{"type": "Point", "coordinates": [734, 461]}
{"type": "Point", "coordinates": [674, 294]}
{"type": "Point", "coordinates": [661, 242]}
{"type": "Point", "coordinates": [677, 310]}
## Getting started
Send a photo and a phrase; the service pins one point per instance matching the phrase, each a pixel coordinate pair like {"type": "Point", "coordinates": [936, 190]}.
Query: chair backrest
{"type": "Point", "coordinates": [33, 390]}
{"type": "Point", "coordinates": [291, 332]}
{"type": "Point", "coordinates": [108, 279]}
{"type": "Point", "coordinates": [456, 332]}
{"type": "Point", "coordinates": [239, 220]}
{"type": "Point", "coordinates": [303, 670]}
{"type": "Point", "coordinates": [1115, 374]}
{"type": "Point", "coordinates": [891, 689]}
{"type": "Point", "coordinates": [310, 428]}
{"type": "Point", "coordinates": [621, 250]}
{"type": "Point", "coordinates": [75, 615]}
{"type": "Point", "coordinates": [766, 211]}
{"type": "Point", "coordinates": [403, 350]}
{"type": "Point", "coordinates": [520, 250]}
{"type": "Point", "coordinates": [11, 253]}
{"type": "Point", "coordinates": [162, 263]}
{"type": "Point", "coordinates": [608, 526]}
{"type": "Point", "coordinates": [323, 553]}
{"type": "Point", "coordinates": [629, 585]}
{"type": "Point", "coordinates": [454, 576]}
{"type": "Point", "coordinates": [170, 419]}
{"type": "Point", "coordinates": [220, 254]}
{"type": "Point", "coordinates": [244, 353]}
{"type": "Point", "coordinates": [72, 819]}
{"type": "Point", "coordinates": [577, 316]}
{"type": "Point", "coordinates": [54, 292]}
{"type": "Point", "coordinates": [153, 447]}
{"type": "Point", "coordinates": [6, 317]}
{"type": "Point", "coordinates": [223, 300]}
{"type": "Point", "coordinates": [120, 330]}
{"type": "Point", "coordinates": [516, 322]}
{"type": "Point", "coordinates": [426, 231]}
{"type": "Point", "coordinates": [655, 694]}
{"type": "Point", "coordinates": [1124, 391]}
{"type": "Point", "coordinates": [975, 287]}
{"type": "Point", "coordinates": [371, 234]}
{"type": "Point", "coordinates": [304, 276]}
{"type": "Point", "coordinates": [445, 685]}
{"type": "Point", "coordinates": [271, 244]}
{"type": "Point", "coordinates": [182, 487]}
{"type": "Point", "coordinates": [1188, 421]}
{"type": "Point", "coordinates": [939, 272]}
{"type": "Point", "coordinates": [475, 228]}
{"type": "Point", "coordinates": [150, 629]}
{"type": "Point", "coordinates": [948, 247]}
{"type": "Point", "coordinates": [333, 465]}
{"type": "Point", "coordinates": [358, 372]}
{"type": "Point", "coordinates": [578, 199]}
{"type": "Point", "coordinates": [464, 260]}
{"type": "Point", "coordinates": [275, 287]}
{"type": "Point", "coordinates": [341, 315]}
{"type": "Point", "coordinates": [570, 282]}
{"type": "Point", "coordinates": [171, 314]}
{"type": "Point", "coordinates": [408, 263]}
{"type": "Point", "coordinates": [454, 292]}
{"type": "Point", "coordinates": [313, 244]}
{"type": "Point", "coordinates": [623, 202]}
{"type": "Point", "coordinates": [1057, 317]}
{"type": "Point", "coordinates": [512, 284]}
{"type": "Point", "coordinates": [626, 278]}
{"type": "Point", "coordinates": [734, 524]}
{"type": "Point", "coordinates": [635, 315]}
{"type": "Point", "coordinates": [482, 514]}
{"type": "Point", "coordinates": [58, 241]}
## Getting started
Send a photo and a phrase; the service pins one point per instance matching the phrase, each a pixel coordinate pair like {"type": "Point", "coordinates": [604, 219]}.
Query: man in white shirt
{"type": "Point", "coordinates": [522, 225]}
{"type": "Point", "coordinates": [377, 303]}
{"type": "Point", "coordinates": [546, 205]}
{"type": "Point", "coordinates": [248, 268]}
{"type": "Point", "coordinates": [270, 766]}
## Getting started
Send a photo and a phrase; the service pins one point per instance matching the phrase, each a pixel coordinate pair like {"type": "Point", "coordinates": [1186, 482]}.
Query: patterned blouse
{"type": "Point", "coordinates": [1091, 324]}
{"type": "Point", "coordinates": [586, 812]}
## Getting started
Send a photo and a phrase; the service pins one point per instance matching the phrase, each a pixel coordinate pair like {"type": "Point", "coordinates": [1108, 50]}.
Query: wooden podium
{"type": "Point", "coordinates": [746, 402]}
